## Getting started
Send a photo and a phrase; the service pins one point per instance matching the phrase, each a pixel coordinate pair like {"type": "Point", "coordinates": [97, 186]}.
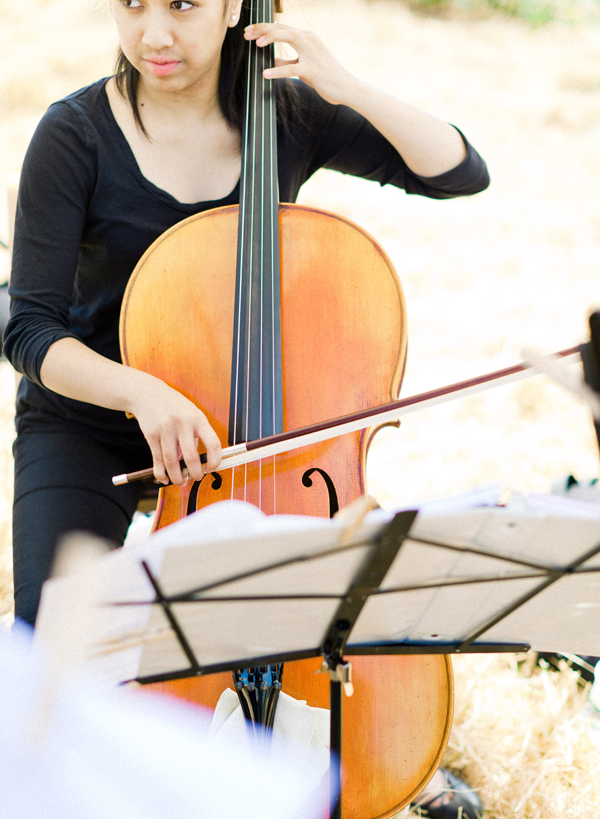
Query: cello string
{"type": "Point", "coordinates": [242, 255]}
{"type": "Point", "coordinates": [242, 246]}
{"type": "Point", "coordinates": [252, 281]}
{"type": "Point", "coordinates": [273, 215]}
{"type": "Point", "coordinates": [269, 204]}
{"type": "Point", "coordinates": [269, 268]}
{"type": "Point", "coordinates": [257, 235]}
{"type": "Point", "coordinates": [266, 157]}
{"type": "Point", "coordinates": [261, 88]}
{"type": "Point", "coordinates": [257, 218]}
{"type": "Point", "coordinates": [248, 258]}
{"type": "Point", "coordinates": [253, 67]}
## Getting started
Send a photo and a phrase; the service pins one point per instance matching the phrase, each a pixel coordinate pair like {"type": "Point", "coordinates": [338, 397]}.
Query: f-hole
{"type": "Point", "coordinates": [333, 498]}
{"type": "Point", "coordinates": [193, 496]}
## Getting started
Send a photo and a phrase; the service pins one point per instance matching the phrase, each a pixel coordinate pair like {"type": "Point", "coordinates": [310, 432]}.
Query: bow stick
{"type": "Point", "coordinates": [294, 439]}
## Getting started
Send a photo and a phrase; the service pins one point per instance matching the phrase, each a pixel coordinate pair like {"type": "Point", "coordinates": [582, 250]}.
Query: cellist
{"type": "Point", "coordinates": [109, 169]}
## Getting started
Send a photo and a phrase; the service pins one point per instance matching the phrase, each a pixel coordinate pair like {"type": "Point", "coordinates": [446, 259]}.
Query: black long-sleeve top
{"type": "Point", "coordinates": [86, 215]}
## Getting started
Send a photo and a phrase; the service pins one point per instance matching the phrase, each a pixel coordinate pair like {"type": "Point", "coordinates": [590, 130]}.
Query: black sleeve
{"type": "Point", "coordinates": [345, 141]}
{"type": "Point", "coordinates": [56, 183]}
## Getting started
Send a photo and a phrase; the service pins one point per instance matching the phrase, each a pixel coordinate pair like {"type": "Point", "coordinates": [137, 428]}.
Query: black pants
{"type": "Point", "coordinates": [62, 484]}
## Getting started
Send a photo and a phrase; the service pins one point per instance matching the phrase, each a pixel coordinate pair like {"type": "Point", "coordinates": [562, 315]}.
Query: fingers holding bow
{"type": "Point", "coordinates": [315, 64]}
{"type": "Point", "coordinates": [173, 427]}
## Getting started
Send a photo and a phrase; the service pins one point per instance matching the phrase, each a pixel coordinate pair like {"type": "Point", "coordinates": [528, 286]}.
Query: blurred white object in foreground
{"type": "Point", "coordinates": [123, 754]}
{"type": "Point", "coordinates": [296, 723]}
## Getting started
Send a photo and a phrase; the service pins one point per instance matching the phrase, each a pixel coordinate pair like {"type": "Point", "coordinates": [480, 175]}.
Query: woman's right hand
{"type": "Point", "coordinates": [173, 426]}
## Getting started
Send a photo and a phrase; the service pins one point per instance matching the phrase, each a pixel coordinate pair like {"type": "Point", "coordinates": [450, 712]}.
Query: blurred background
{"type": "Point", "coordinates": [484, 276]}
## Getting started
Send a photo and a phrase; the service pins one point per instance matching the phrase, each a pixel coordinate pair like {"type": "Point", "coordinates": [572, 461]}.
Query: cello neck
{"type": "Point", "coordinates": [256, 406]}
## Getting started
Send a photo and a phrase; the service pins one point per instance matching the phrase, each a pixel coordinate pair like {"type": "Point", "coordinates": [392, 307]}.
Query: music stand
{"type": "Point", "coordinates": [489, 579]}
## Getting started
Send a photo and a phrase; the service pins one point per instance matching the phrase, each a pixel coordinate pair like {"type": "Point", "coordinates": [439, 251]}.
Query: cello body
{"type": "Point", "coordinates": [343, 337]}
{"type": "Point", "coordinates": [396, 724]}
{"type": "Point", "coordinates": [343, 332]}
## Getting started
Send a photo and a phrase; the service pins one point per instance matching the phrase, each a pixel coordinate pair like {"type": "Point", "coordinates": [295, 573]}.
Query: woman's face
{"type": "Point", "coordinates": [175, 44]}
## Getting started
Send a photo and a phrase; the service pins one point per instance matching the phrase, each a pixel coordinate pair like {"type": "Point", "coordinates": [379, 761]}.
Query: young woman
{"type": "Point", "coordinates": [109, 169]}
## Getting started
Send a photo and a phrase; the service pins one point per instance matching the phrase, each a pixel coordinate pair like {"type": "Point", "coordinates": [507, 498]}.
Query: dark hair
{"type": "Point", "coordinates": [232, 80]}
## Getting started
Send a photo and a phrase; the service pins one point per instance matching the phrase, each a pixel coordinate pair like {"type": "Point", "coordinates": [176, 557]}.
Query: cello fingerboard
{"type": "Point", "coordinates": [256, 406]}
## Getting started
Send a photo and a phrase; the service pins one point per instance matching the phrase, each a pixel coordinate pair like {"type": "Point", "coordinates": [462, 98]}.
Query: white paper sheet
{"type": "Point", "coordinates": [498, 555]}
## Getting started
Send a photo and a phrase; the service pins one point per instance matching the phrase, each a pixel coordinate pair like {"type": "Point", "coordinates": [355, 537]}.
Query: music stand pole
{"type": "Point", "coordinates": [368, 579]}
{"type": "Point", "coordinates": [335, 744]}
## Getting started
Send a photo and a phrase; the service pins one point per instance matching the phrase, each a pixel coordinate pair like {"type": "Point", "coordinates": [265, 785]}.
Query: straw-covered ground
{"type": "Point", "coordinates": [483, 277]}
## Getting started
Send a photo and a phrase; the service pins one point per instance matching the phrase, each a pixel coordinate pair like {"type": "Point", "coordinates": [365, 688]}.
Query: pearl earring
{"type": "Point", "coordinates": [233, 18]}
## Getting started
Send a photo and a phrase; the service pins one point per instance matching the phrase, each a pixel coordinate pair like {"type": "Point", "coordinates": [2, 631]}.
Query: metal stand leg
{"type": "Point", "coordinates": [335, 746]}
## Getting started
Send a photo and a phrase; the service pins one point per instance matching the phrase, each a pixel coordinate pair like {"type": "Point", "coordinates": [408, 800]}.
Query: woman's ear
{"type": "Point", "coordinates": [234, 13]}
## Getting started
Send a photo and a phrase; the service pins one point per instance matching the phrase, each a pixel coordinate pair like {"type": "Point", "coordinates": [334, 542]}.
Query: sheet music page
{"type": "Point", "coordinates": [548, 532]}
{"type": "Point", "coordinates": [479, 559]}
{"type": "Point", "coordinates": [231, 541]}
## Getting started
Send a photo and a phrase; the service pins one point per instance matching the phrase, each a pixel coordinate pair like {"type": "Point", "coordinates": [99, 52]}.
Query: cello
{"type": "Point", "coordinates": [277, 316]}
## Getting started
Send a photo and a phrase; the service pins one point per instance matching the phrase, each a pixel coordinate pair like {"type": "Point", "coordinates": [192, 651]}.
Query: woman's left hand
{"type": "Point", "coordinates": [428, 145]}
{"type": "Point", "coordinates": [315, 65]}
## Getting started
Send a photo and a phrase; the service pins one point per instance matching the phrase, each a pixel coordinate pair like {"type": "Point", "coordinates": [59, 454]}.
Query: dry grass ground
{"type": "Point", "coordinates": [483, 276]}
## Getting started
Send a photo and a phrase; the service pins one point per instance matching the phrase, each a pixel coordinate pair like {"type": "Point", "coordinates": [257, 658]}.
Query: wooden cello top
{"type": "Point", "coordinates": [396, 725]}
